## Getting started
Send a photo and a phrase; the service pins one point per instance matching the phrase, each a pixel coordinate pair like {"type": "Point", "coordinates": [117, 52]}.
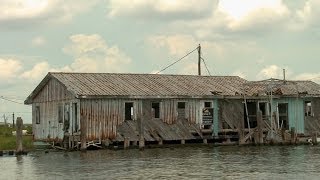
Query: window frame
{"type": "Point", "coordinates": [37, 114]}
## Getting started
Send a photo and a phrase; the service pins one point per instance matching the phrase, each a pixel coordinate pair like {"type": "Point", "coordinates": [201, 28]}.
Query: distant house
{"type": "Point", "coordinates": [106, 108]}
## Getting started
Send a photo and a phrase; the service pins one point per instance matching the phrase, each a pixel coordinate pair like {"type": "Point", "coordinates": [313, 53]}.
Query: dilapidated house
{"type": "Point", "coordinates": [153, 108]}
{"type": "Point", "coordinates": [113, 107]}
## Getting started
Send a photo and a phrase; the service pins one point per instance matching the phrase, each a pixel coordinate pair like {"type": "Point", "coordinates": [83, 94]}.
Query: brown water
{"type": "Point", "coordinates": [200, 162]}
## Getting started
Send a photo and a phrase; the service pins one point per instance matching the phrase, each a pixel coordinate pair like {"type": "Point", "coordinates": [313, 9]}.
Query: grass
{"type": "Point", "coordinates": [8, 141]}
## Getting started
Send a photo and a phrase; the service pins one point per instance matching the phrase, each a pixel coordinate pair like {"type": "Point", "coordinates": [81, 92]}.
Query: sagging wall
{"type": "Point", "coordinates": [45, 111]}
{"type": "Point", "coordinates": [102, 116]}
{"type": "Point", "coordinates": [312, 121]}
{"type": "Point", "coordinates": [231, 113]}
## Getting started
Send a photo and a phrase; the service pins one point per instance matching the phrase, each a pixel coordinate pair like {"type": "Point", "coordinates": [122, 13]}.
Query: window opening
{"type": "Point", "coordinates": [283, 115]}
{"type": "Point", "coordinates": [60, 114]}
{"type": "Point", "coordinates": [207, 104]}
{"type": "Point", "coordinates": [307, 108]}
{"type": "Point", "coordinates": [128, 111]}
{"type": "Point", "coordinates": [252, 114]}
{"type": "Point", "coordinates": [156, 110]}
{"type": "Point", "coordinates": [37, 114]}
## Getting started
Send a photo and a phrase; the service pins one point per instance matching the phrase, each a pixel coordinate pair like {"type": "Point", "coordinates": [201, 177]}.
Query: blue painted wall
{"type": "Point", "coordinates": [295, 112]}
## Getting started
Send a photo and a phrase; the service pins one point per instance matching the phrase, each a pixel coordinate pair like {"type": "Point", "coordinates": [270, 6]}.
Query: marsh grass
{"type": "Point", "coordinates": [8, 141]}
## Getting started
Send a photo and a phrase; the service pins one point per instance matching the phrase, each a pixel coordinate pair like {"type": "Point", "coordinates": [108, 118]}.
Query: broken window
{"type": "Point", "coordinates": [156, 110]}
{"type": "Point", "coordinates": [283, 115]}
{"type": "Point", "coordinates": [250, 109]}
{"type": "Point", "coordinates": [37, 113]}
{"type": "Point", "coordinates": [60, 114]}
{"type": "Point", "coordinates": [207, 104]}
{"type": "Point", "coordinates": [307, 108]}
{"type": "Point", "coordinates": [128, 110]}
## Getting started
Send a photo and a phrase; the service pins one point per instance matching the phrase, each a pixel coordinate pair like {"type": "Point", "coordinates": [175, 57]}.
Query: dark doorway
{"type": "Point", "coordinates": [252, 114]}
{"type": "Point", "coordinates": [156, 110]}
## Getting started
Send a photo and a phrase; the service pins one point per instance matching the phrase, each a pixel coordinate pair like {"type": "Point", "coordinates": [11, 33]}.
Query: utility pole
{"type": "Point", "coordinates": [13, 119]}
{"type": "Point", "coordinates": [199, 60]}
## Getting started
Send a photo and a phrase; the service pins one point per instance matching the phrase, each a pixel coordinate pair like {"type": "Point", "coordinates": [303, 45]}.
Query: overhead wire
{"type": "Point", "coordinates": [10, 100]}
{"type": "Point", "coordinates": [176, 61]}
{"type": "Point", "coordinates": [206, 66]}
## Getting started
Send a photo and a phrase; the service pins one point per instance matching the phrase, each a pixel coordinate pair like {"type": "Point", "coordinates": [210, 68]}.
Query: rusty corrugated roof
{"type": "Point", "coordinates": [281, 87]}
{"type": "Point", "coordinates": [113, 84]}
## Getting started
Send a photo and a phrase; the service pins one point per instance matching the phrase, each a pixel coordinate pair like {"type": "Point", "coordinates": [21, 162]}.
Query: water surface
{"type": "Point", "coordinates": [196, 162]}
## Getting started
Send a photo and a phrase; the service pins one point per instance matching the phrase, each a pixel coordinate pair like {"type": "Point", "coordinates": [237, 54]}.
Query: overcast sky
{"type": "Point", "coordinates": [252, 39]}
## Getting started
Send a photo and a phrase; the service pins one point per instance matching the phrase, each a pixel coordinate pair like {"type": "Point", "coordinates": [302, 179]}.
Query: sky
{"type": "Point", "coordinates": [252, 39]}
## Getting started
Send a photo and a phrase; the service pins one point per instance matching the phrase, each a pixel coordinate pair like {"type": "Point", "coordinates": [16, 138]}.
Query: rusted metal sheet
{"type": "Point", "coordinates": [107, 84]}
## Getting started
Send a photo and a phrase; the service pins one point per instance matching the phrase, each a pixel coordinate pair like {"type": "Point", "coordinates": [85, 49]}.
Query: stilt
{"type": "Point", "coordinates": [83, 135]}
{"type": "Point", "coordinates": [259, 137]}
{"type": "Point", "coordinates": [141, 143]}
{"type": "Point", "coordinates": [293, 133]}
{"type": "Point", "coordinates": [126, 143]}
{"type": "Point", "coordinates": [160, 142]}
{"type": "Point", "coordinates": [205, 141]}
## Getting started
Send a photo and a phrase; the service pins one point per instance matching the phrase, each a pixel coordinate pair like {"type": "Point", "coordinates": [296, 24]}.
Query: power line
{"type": "Point", "coordinates": [177, 61]}
{"type": "Point", "coordinates": [206, 66]}
{"type": "Point", "coordinates": [1, 97]}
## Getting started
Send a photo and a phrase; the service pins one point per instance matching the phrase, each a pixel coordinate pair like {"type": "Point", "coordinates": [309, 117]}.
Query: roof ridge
{"type": "Point", "coordinates": [144, 74]}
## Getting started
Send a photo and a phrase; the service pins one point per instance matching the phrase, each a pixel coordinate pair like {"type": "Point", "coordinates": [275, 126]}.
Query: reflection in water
{"type": "Point", "coordinates": [232, 162]}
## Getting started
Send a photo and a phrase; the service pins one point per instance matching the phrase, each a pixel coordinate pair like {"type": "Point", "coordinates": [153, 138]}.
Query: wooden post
{"type": "Point", "coordinates": [183, 141]}
{"type": "Point", "coordinates": [259, 137]}
{"type": "Point", "coordinates": [160, 142]}
{"type": "Point", "coordinates": [141, 143]}
{"type": "Point", "coordinates": [205, 141]}
{"type": "Point", "coordinates": [199, 60]}
{"type": "Point", "coordinates": [293, 132]}
{"type": "Point", "coordinates": [126, 143]}
{"type": "Point", "coordinates": [314, 138]}
{"type": "Point", "coordinates": [83, 135]}
{"type": "Point", "coordinates": [19, 125]}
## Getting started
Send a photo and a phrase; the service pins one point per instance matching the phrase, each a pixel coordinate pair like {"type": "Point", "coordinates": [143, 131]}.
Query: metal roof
{"type": "Point", "coordinates": [281, 87]}
{"type": "Point", "coordinates": [113, 84]}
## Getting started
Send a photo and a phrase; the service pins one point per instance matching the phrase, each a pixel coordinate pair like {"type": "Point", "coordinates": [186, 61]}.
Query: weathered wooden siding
{"type": "Point", "coordinates": [53, 95]}
{"type": "Point", "coordinates": [169, 111]}
{"type": "Point", "coordinates": [232, 113]}
{"type": "Point", "coordinates": [53, 91]}
{"type": "Point", "coordinates": [102, 116]}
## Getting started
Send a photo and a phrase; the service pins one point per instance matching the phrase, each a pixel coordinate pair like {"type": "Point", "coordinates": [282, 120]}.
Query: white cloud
{"type": "Point", "coordinates": [308, 76]}
{"type": "Point", "coordinates": [308, 15]}
{"type": "Point", "coordinates": [9, 68]}
{"type": "Point", "coordinates": [29, 12]}
{"type": "Point", "coordinates": [239, 73]}
{"type": "Point", "coordinates": [173, 9]}
{"type": "Point", "coordinates": [92, 54]}
{"type": "Point", "coordinates": [274, 71]}
{"type": "Point", "coordinates": [38, 41]}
